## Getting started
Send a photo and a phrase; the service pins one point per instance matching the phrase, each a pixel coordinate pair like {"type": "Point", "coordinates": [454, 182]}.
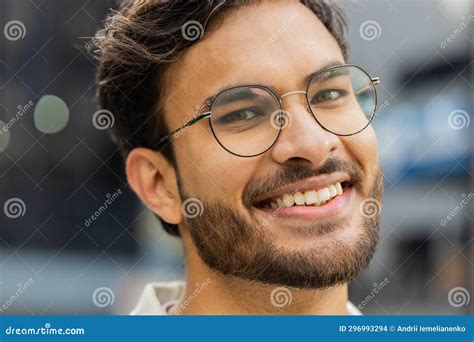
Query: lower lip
{"type": "Point", "coordinates": [303, 212]}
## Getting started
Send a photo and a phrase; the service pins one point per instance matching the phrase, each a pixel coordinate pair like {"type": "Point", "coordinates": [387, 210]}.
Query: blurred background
{"type": "Point", "coordinates": [70, 227]}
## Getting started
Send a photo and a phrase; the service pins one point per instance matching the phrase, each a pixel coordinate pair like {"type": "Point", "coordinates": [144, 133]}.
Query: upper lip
{"type": "Point", "coordinates": [312, 183]}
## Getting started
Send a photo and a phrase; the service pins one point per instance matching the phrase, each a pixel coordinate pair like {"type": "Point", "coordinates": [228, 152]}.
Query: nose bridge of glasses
{"type": "Point", "coordinates": [292, 93]}
{"type": "Point", "coordinates": [302, 92]}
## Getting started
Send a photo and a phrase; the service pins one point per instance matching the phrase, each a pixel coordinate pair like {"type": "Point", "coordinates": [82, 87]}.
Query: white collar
{"type": "Point", "coordinates": [158, 297]}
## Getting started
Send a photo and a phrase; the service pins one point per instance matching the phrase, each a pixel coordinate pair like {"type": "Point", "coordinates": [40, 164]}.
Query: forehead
{"type": "Point", "coordinates": [277, 44]}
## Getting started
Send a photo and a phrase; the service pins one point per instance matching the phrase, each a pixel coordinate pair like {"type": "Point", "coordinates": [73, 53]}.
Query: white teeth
{"type": "Point", "coordinates": [332, 190]}
{"type": "Point", "coordinates": [299, 198]}
{"type": "Point", "coordinates": [323, 194]}
{"type": "Point", "coordinates": [288, 200]}
{"type": "Point", "coordinates": [280, 203]}
{"type": "Point", "coordinates": [312, 197]}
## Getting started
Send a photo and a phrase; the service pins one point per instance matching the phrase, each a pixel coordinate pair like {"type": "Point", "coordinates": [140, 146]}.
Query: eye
{"type": "Point", "coordinates": [327, 95]}
{"type": "Point", "coordinates": [242, 115]}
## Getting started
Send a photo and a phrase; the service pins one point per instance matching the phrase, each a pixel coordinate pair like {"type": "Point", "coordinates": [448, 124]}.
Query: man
{"type": "Point", "coordinates": [249, 137]}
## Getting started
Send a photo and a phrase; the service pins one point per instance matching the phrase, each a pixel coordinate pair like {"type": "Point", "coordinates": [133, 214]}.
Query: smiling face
{"type": "Point", "coordinates": [293, 215]}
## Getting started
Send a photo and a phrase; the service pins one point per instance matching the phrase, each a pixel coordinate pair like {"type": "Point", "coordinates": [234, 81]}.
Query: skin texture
{"type": "Point", "coordinates": [247, 49]}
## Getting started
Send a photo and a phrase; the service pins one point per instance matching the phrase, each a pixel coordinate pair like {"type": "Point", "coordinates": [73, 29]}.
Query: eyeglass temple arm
{"type": "Point", "coordinates": [375, 81]}
{"type": "Point", "coordinates": [188, 123]}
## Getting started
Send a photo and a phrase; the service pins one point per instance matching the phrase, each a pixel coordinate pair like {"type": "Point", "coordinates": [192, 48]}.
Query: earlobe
{"type": "Point", "coordinates": [153, 179]}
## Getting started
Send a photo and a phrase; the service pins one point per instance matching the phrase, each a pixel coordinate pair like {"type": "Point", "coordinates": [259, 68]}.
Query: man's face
{"type": "Point", "coordinates": [308, 246]}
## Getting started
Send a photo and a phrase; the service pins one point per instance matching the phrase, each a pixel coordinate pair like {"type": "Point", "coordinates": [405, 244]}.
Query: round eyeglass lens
{"type": "Point", "coordinates": [342, 99]}
{"type": "Point", "coordinates": [246, 120]}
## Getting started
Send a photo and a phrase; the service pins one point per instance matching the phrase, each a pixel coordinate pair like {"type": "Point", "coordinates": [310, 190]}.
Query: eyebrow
{"type": "Point", "coordinates": [324, 67]}
{"type": "Point", "coordinates": [242, 94]}
{"type": "Point", "coordinates": [206, 104]}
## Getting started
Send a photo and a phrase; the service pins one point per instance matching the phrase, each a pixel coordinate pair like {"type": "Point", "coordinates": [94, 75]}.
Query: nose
{"type": "Point", "coordinates": [302, 139]}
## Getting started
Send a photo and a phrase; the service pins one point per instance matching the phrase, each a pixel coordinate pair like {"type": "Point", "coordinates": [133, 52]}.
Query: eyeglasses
{"type": "Point", "coordinates": [247, 120]}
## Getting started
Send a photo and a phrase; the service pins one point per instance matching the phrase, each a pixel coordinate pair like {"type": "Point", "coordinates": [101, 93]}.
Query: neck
{"type": "Point", "coordinates": [210, 293]}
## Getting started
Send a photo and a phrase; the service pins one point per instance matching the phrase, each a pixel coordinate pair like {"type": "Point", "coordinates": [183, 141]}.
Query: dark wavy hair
{"type": "Point", "coordinates": [141, 39]}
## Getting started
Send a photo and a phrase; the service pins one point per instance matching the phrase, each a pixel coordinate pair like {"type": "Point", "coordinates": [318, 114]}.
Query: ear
{"type": "Point", "coordinates": [153, 179]}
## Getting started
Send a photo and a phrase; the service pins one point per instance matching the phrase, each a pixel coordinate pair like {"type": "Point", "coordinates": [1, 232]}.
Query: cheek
{"type": "Point", "coordinates": [209, 172]}
{"type": "Point", "coordinates": [362, 148]}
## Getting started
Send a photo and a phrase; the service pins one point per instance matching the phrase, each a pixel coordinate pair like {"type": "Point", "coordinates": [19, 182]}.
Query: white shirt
{"type": "Point", "coordinates": [159, 297]}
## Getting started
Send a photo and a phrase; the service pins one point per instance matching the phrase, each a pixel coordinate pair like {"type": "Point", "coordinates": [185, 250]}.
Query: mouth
{"type": "Point", "coordinates": [316, 202]}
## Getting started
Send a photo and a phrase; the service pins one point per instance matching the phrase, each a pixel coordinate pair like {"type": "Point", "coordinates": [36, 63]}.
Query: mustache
{"type": "Point", "coordinates": [292, 173]}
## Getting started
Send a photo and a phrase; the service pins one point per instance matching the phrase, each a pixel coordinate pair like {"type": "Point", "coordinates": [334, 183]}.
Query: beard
{"type": "Point", "coordinates": [235, 245]}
